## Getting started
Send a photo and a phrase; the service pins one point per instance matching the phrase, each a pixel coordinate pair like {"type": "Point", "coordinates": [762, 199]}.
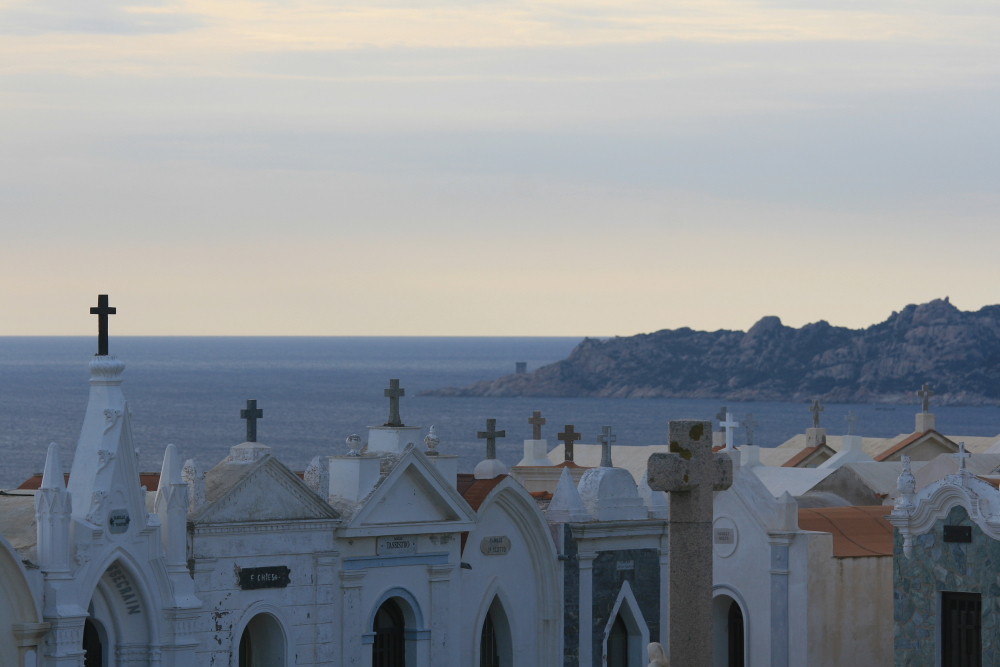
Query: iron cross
{"type": "Point", "coordinates": [568, 437]}
{"type": "Point", "coordinates": [925, 394]}
{"type": "Point", "coordinates": [393, 393]}
{"type": "Point", "coordinates": [102, 310]}
{"type": "Point", "coordinates": [536, 422]}
{"type": "Point", "coordinates": [491, 434]}
{"type": "Point", "coordinates": [252, 413]}
{"type": "Point", "coordinates": [607, 439]}
{"type": "Point", "coordinates": [816, 408]}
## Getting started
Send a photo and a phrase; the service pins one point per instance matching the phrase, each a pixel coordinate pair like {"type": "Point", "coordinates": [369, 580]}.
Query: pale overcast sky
{"type": "Point", "coordinates": [466, 167]}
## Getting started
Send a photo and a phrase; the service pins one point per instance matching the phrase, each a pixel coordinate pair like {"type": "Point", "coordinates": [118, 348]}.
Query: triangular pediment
{"type": "Point", "coordinates": [920, 447]}
{"type": "Point", "coordinates": [413, 498]}
{"type": "Point", "coordinates": [262, 491]}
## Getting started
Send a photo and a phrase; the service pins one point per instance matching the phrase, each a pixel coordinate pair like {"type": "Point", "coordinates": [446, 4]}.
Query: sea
{"type": "Point", "coordinates": [316, 391]}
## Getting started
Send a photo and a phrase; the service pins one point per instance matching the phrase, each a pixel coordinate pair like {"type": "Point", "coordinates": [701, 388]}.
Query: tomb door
{"type": "Point", "coordinates": [389, 649]}
{"type": "Point", "coordinates": [735, 632]}
{"type": "Point", "coordinates": [262, 643]}
{"type": "Point", "coordinates": [961, 629]}
{"type": "Point", "coordinates": [495, 649]}
{"type": "Point", "coordinates": [618, 653]}
{"type": "Point", "coordinates": [93, 644]}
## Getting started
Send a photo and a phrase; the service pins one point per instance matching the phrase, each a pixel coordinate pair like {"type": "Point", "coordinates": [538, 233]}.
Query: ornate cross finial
{"type": "Point", "coordinates": [431, 440]}
{"type": "Point", "coordinates": [102, 310]}
{"type": "Point", "coordinates": [490, 435]}
{"type": "Point", "coordinates": [851, 420]}
{"type": "Point", "coordinates": [536, 420]}
{"type": "Point", "coordinates": [729, 426]}
{"type": "Point", "coordinates": [568, 437]}
{"type": "Point", "coordinates": [816, 408]}
{"type": "Point", "coordinates": [749, 423]}
{"type": "Point", "coordinates": [961, 456]}
{"type": "Point", "coordinates": [925, 394]}
{"type": "Point", "coordinates": [393, 393]}
{"type": "Point", "coordinates": [607, 438]}
{"type": "Point", "coordinates": [251, 414]}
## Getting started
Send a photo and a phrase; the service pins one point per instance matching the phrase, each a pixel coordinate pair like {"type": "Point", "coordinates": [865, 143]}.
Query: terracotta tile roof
{"type": "Point", "coordinates": [800, 457]}
{"type": "Point", "coordinates": [906, 442]}
{"type": "Point", "coordinates": [150, 480]}
{"type": "Point", "coordinates": [857, 531]}
{"type": "Point", "coordinates": [475, 490]}
{"type": "Point", "coordinates": [992, 481]}
{"type": "Point", "coordinates": [541, 495]}
{"type": "Point", "coordinates": [567, 464]}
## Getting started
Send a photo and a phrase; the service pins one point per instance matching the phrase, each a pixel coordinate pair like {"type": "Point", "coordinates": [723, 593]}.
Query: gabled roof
{"type": "Point", "coordinates": [914, 440]}
{"type": "Point", "coordinates": [412, 498]}
{"type": "Point", "coordinates": [857, 531]}
{"type": "Point", "coordinates": [808, 455]}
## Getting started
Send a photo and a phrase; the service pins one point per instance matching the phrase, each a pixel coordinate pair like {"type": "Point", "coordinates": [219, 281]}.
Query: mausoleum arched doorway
{"type": "Point", "coordinates": [626, 633]}
{"type": "Point", "coordinates": [262, 642]}
{"type": "Point", "coordinates": [495, 642]}
{"type": "Point", "coordinates": [117, 630]}
{"type": "Point", "coordinates": [728, 632]}
{"type": "Point", "coordinates": [396, 630]}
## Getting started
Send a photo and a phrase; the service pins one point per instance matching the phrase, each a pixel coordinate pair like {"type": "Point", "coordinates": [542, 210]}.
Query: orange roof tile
{"type": "Point", "coordinates": [857, 531]}
{"type": "Point", "coordinates": [475, 490]}
{"type": "Point", "coordinates": [800, 457]}
{"type": "Point", "coordinates": [541, 495]}
{"type": "Point", "coordinates": [151, 480]}
{"type": "Point", "coordinates": [906, 442]}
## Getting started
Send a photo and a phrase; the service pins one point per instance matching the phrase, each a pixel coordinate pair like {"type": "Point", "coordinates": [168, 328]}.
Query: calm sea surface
{"type": "Point", "coordinates": [316, 391]}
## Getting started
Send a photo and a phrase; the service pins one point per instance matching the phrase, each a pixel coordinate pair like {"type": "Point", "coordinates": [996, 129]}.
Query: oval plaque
{"type": "Point", "coordinates": [496, 545]}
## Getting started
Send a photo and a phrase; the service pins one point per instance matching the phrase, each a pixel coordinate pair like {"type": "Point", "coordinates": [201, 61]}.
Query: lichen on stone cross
{"type": "Point", "coordinates": [607, 439]}
{"type": "Point", "coordinates": [536, 420]}
{"type": "Point", "coordinates": [568, 437]}
{"type": "Point", "coordinates": [102, 310]}
{"type": "Point", "coordinates": [925, 394]}
{"type": "Point", "coordinates": [393, 393]}
{"type": "Point", "coordinates": [251, 414]}
{"type": "Point", "coordinates": [816, 408]}
{"type": "Point", "coordinates": [490, 435]}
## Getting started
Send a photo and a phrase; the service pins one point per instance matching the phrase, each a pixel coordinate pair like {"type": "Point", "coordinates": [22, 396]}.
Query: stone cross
{"type": "Point", "coordinates": [491, 434]}
{"type": "Point", "coordinates": [102, 310]}
{"type": "Point", "coordinates": [393, 393]}
{"type": "Point", "coordinates": [691, 472]}
{"type": "Point", "coordinates": [568, 437]}
{"type": "Point", "coordinates": [607, 438]}
{"type": "Point", "coordinates": [251, 414]}
{"type": "Point", "coordinates": [851, 420]}
{"type": "Point", "coordinates": [749, 423]}
{"type": "Point", "coordinates": [925, 394]}
{"type": "Point", "coordinates": [536, 422]}
{"type": "Point", "coordinates": [961, 456]}
{"type": "Point", "coordinates": [816, 408]}
{"type": "Point", "coordinates": [729, 426]}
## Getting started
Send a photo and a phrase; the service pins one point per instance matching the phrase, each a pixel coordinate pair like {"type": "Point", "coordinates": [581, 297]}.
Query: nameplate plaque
{"type": "Point", "coordinates": [725, 536]}
{"type": "Point", "coordinates": [264, 577]}
{"type": "Point", "coordinates": [397, 545]}
{"type": "Point", "coordinates": [958, 533]}
{"type": "Point", "coordinates": [118, 521]}
{"type": "Point", "coordinates": [497, 545]}
{"type": "Point", "coordinates": [625, 565]}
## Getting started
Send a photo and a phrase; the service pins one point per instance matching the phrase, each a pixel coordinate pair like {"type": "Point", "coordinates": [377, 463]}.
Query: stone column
{"type": "Point", "coordinates": [780, 542]}
{"type": "Point", "coordinates": [586, 560]}
{"type": "Point", "coordinates": [664, 637]}
{"type": "Point", "coordinates": [355, 639]}
{"type": "Point", "coordinates": [442, 651]}
{"type": "Point", "coordinates": [64, 643]}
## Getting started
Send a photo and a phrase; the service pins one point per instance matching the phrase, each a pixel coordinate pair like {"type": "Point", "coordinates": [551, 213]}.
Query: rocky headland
{"type": "Point", "coordinates": [957, 351]}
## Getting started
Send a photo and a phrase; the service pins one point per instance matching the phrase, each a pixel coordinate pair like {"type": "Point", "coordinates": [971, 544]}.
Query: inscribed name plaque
{"type": "Point", "coordinates": [958, 534]}
{"type": "Point", "coordinates": [725, 537]}
{"type": "Point", "coordinates": [397, 545]}
{"type": "Point", "coordinates": [118, 521]}
{"type": "Point", "coordinates": [497, 545]}
{"type": "Point", "coordinates": [625, 565]}
{"type": "Point", "coordinates": [264, 577]}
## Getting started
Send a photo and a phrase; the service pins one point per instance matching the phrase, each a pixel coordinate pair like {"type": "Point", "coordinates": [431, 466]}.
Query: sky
{"type": "Point", "coordinates": [492, 167]}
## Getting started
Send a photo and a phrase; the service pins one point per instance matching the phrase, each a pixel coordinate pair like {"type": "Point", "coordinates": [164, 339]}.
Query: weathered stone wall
{"type": "Point", "coordinates": [571, 605]}
{"type": "Point", "coordinates": [936, 566]}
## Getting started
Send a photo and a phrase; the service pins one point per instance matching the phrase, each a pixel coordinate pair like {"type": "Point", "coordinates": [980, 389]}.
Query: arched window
{"type": "Point", "coordinates": [389, 649]}
{"type": "Point", "coordinates": [262, 643]}
{"type": "Point", "coordinates": [618, 653]}
{"type": "Point", "coordinates": [729, 632]}
{"type": "Point", "coordinates": [93, 646]}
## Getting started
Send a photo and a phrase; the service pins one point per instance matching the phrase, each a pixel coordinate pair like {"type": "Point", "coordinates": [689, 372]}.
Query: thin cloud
{"type": "Point", "coordinates": [38, 17]}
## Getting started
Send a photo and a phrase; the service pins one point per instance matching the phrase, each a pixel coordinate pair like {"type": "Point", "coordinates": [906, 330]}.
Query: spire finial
{"type": "Point", "coordinates": [607, 439]}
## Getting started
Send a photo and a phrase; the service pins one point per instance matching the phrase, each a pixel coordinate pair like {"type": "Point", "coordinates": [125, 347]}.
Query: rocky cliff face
{"type": "Point", "coordinates": [958, 352]}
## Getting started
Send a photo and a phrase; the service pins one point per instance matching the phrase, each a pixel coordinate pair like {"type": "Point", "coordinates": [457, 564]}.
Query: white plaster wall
{"type": "Point", "coordinates": [851, 619]}
{"type": "Point", "coordinates": [17, 604]}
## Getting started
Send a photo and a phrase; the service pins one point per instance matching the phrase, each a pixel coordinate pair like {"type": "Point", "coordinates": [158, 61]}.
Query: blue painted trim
{"type": "Point", "coordinates": [418, 635]}
{"type": "Point", "coordinates": [366, 562]}
{"type": "Point", "coordinates": [368, 639]}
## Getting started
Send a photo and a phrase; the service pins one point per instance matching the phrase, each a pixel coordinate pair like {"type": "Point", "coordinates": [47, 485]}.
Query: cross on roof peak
{"type": "Point", "coordinates": [393, 392]}
{"type": "Point", "coordinates": [925, 394]}
{"type": "Point", "coordinates": [251, 414]}
{"type": "Point", "coordinates": [536, 420]}
{"type": "Point", "coordinates": [961, 456]}
{"type": "Point", "coordinates": [568, 437]}
{"type": "Point", "coordinates": [851, 420]}
{"type": "Point", "coordinates": [490, 435]}
{"type": "Point", "coordinates": [729, 426]}
{"type": "Point", "coordinates": [749, 423]}
{"type": "Point", "coordinates": [816, 408]}
{"type": "Point", "coordinates": [607, 439]}
{"type": "Point", "coordinates": [102, 310]}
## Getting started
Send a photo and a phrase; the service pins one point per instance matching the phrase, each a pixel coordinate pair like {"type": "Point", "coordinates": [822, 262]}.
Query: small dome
{"type": "Point", "coordinates": [610, 494]}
